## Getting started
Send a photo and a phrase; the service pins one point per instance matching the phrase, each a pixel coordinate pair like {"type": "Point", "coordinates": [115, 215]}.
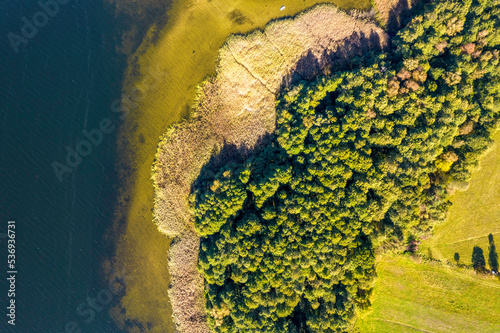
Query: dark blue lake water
{"type": "Point", "coordinates": [60, 83]}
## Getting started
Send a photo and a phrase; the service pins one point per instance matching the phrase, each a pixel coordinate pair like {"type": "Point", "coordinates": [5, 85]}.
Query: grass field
{"type": "Point", "coordinates": [429, 297]}
{"type": "Point", "coordinates": [475, 214]}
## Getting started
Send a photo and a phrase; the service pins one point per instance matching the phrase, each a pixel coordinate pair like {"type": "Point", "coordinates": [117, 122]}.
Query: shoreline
{"type": "Point", "coordinates": [141, 250]}
{"type": "Point", "coordinates": [239, 112]}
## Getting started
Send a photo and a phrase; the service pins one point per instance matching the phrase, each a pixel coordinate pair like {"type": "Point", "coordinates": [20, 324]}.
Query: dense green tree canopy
{"type": "Point", "coordinates": [478, 261]}
{"type": "Point", "coordinates": [358, 157]}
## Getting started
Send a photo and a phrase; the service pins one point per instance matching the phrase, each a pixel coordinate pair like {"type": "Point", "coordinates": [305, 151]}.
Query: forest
{"type": "Point", "coordinates": [361, 159]}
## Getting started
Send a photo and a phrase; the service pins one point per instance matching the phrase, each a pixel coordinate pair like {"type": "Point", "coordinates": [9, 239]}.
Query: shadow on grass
{"type": "Point", "coordinates": [349, 54]}
{"type": "Point", "coordinates": [400, 14]}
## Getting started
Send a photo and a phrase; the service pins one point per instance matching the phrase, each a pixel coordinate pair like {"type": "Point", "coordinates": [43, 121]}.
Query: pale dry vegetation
{"type": "Point", "coordinates": [237, 108]}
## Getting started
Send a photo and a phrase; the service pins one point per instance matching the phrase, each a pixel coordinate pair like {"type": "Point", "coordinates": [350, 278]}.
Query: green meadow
{"type": "Point", "coordinates": [413, 296]}
{"type": "Point", "coordinates": [475, 214]}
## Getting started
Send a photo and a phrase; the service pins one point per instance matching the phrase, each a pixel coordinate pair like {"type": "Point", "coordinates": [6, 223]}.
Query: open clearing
{"type": "Point", "coordinates": [475, 214]}
{"type": "Point", "coordinates": [429, 297]}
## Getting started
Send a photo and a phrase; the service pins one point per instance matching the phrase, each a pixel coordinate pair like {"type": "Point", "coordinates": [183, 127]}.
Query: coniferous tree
{"type": "Point", "coordinates": [492, 254]}
{"type": "Point", "coordinates": [478, 261]}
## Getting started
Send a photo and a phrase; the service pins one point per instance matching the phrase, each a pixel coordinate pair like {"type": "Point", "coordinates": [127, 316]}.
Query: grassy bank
{"type": "Point", "coordinates": [475, 214]}
{"type": "Point", "coordinates": [412, 296]}
{"type": "Point", "coordinates": [181, 55]}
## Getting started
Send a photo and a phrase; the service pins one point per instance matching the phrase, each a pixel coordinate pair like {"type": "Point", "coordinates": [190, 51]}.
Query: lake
{"type": "Point", "coordinates": [60, 83]}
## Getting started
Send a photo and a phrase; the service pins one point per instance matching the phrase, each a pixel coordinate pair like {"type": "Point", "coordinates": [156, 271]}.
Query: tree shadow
{"type": "Point", "coordinates": [230, 153]}
{"type": "Point", "coordinates": [348, 54]}
{"type": "Point", "coordinates": [400, 15]}
{"type": "Point", "coordinates": [478, 261]}
{"type": "Point", "coordinates": [355, 52]}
